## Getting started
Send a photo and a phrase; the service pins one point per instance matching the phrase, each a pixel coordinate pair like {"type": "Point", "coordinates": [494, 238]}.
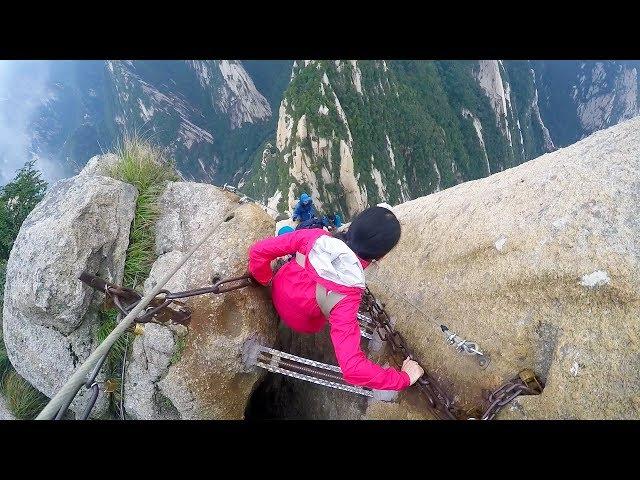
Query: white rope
{"type": "Point", "coordinates": [79, 377]}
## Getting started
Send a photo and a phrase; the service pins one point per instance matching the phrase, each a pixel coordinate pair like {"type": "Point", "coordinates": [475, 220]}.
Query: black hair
{"type": "Point", "coordinates": [373, 233]}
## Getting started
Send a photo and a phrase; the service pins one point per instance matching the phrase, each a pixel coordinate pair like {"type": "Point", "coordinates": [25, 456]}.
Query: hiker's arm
{"type": "Point", "coordinates": [356, 368]}
{"type": "Point", "coordinates": [264, 251]}
{"type": "Point", "coordinates": [296, 212]}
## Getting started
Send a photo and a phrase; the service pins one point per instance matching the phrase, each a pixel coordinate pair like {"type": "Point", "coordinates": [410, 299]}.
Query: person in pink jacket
{"type": "Point", "coordinates": [325, 281]}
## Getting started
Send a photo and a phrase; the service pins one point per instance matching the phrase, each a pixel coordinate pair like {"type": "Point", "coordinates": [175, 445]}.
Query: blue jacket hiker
{"type": "Point", "coordinates": [304, 209]}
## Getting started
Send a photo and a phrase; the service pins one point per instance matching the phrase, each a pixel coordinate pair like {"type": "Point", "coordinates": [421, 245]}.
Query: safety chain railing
{"type": "Point", "coordinates": [163, 309]}
{"type": "Point", "coordinates": [438, 402]}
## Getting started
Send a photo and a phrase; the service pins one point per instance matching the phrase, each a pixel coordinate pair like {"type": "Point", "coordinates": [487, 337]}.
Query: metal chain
{"type": "Point", "coordinates": [159, 311]}
{"type": "Point", "coordinates": [439, 403]}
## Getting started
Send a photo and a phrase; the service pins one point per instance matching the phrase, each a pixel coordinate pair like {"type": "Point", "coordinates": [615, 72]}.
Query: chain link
{"type": "Point", "coordinates": [438, 402]}
{"type": "Point", "coordinates": [161, 310]}
{"type": "Point", "coordinates": [164, 308]}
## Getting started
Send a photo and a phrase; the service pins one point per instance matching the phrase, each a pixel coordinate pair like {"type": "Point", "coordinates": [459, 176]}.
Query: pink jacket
{"type": "Point", "coordinates": [294, 297]}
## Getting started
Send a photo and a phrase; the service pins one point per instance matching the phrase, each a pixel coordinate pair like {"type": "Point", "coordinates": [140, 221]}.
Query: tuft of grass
{"type": "Point", "coordinates": [181, 343]}
{"type": "Point", "coordinates": [108, 321]}
{"type": "Point", "coordinates": [5, 364]}
{"type": "Point", "coordinates": [23, 400]}
{"type": "Point", "coordinates": [145, 167]}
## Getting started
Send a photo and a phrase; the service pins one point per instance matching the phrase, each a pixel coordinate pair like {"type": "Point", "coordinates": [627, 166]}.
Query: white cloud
{"type": "Point", "coordinates": [23, 89]}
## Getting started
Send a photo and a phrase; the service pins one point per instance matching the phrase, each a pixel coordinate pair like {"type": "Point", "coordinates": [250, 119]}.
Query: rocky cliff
{"type": "Point", "coordinates": [537, 264]}
{"type": "Point", "coordinates": [540, 266]}
{"type": "Point", "coordinates": [210, 115]}
{"type": "Point", "coordinates": [578, 98]}
{"type": "Point", "coordinates": [200, 372]}
{"type": "Point", "coordinates": [50, 318]}
{"type": "Point", "coordinates": [355, 133]}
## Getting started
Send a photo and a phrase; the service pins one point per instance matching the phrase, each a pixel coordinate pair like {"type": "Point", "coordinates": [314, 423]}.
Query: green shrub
{"type": "Point", "coordinates": [17, 199]}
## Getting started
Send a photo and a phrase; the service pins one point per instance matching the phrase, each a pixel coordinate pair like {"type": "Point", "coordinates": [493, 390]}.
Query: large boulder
{"type": "Point", "coordinates": [50, 318]}
{"type": "Point", "coordinates": [540, 265]}
{"type": "Point", "coordinates": [199, 372]}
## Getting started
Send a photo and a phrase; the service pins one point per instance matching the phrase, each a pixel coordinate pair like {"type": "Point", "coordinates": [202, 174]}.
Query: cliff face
{"type": "Point", "coordinates": [210, 115]}
{"type": "Point", "coordinates": [377, 130]}
{"type": "Point", "coordinates": [50, 318]}
{"type": "Point", "coordinates": [356, 133]}
{"type": "Point", "coordinates": [540, 266]}
{"type": "Point", "coordinates": [199, 373]}
{"type": "Point", "coordinates": [206, 113]}
{"type": "Point", "coordinates": [578, 98]}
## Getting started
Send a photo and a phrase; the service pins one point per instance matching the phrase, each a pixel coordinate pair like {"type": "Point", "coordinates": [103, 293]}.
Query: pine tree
{"type": "Point", "coordinates": [17, 199]}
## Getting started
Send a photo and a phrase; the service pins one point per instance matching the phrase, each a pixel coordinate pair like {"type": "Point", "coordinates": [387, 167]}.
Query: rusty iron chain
{"type": "Point", "coordinates": [165, 307]}
{"type": "Point", "coordinates": [438, 402]}
{"type": "Point", "coordinates": [159, 311]}
{"type": "Point", "coordinates": [162, 310]}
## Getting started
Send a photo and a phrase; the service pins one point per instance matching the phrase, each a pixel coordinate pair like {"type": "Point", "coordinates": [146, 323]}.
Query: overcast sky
{"type": "Point", "coordinates": [22, 90]}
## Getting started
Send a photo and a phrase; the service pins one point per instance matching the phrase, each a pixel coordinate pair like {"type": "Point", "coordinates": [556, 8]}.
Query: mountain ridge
{"type": "Point", "coordinates": [395, 129]}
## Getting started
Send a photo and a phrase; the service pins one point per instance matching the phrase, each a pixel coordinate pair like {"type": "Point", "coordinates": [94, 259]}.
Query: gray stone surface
{"type": "Point", "coordinates": [99, 165]}
{"type": "Point", "coordinates": [206, 378]}
{"type": "Point", "coordinates": [5, 414]}
{"type": "Point", "coordinates": [540, 265]}
{"type": "Point", "coordinates": [49, 316]}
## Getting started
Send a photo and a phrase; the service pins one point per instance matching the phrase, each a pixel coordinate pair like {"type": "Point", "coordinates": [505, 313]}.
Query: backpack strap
{"type": "Point", "coordinates": [301, 259]}
{"type": "Point", "coordinates": [326, 299]}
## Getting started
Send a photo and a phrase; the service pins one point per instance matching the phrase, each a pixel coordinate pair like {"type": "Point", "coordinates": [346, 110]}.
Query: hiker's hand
{"type": "Point", "coordinates": [252, 280]}
{"type": "Point", "coordinates": [411, 368]}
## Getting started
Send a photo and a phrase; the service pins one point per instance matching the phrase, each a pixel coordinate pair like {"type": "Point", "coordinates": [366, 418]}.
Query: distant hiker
{"type": "Point", "coordinates": [304, 209]}
{"type": "Point", "coordinates": [334, 220]}
{"type": "Point", "coordinates": [324, 281]}
{"type": "Point", "coordinates": [330, 222]}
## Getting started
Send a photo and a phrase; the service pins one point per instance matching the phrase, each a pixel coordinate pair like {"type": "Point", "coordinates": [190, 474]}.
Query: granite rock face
{"type": "Point", "coordinates": [50, 317]}
{"type": "Point", "coordinates": [538, 264]}
{"type": "Point", "coordinates": [199, 372]}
